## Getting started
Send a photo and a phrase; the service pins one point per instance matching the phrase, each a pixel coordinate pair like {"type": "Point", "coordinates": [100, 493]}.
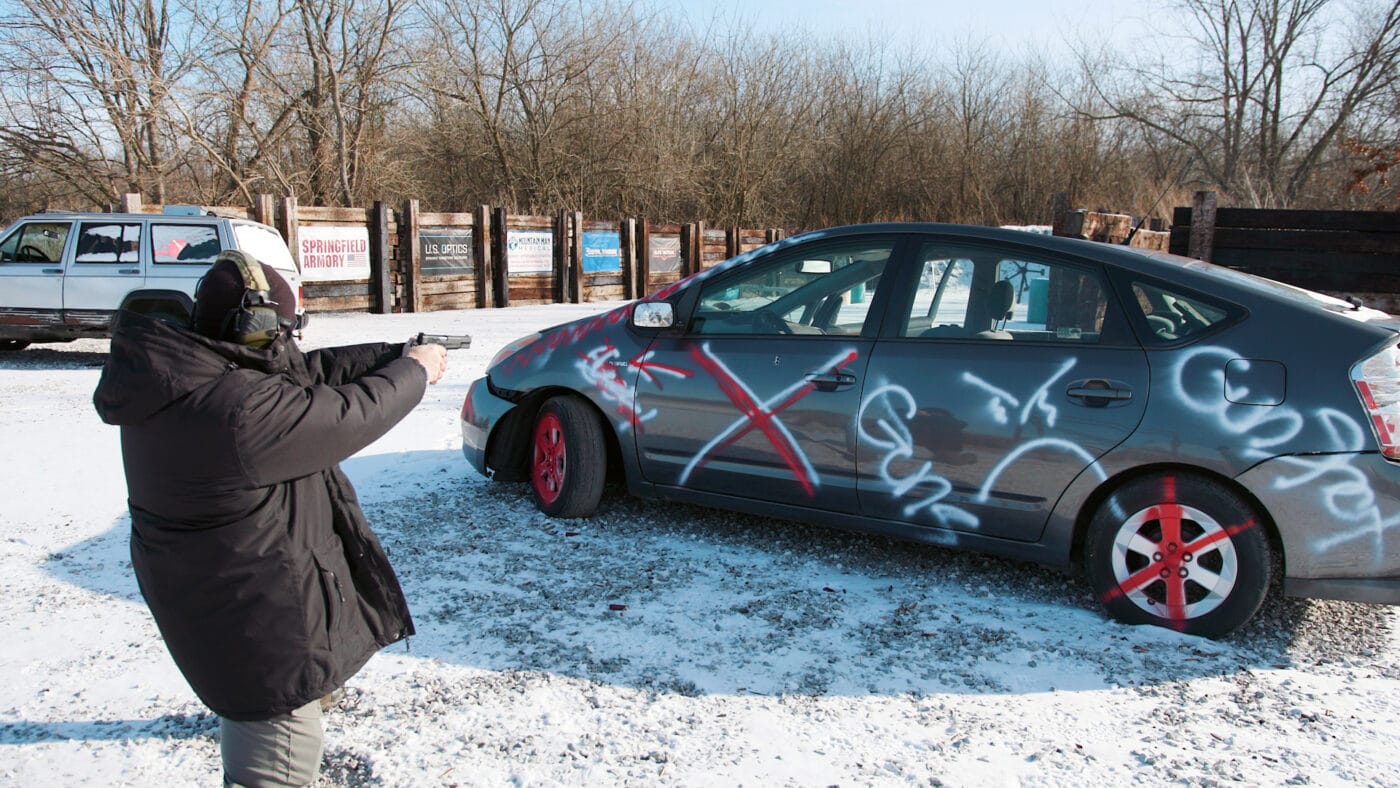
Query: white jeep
{"type": "Point", "coordinates": [65, 275]}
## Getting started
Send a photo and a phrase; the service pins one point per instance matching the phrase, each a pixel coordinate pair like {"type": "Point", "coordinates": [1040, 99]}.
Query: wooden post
{"type": "Point", "coordinates": [689, 264]}
{"type": "Point", "coordinates": [1202, 243]}
{"type": "Point", "coordinates": [481, 250]}
{"type": "Point", "coordinates": [287, 225]}
{"type": "Point", "coordinates": [627, 249]}
{"type": "Point", "coordinates": [576, 256]}
{"type": "Point", "coordinates": [559, 251]}
{"type": "Point", "coordinates": [381, 261]}
{"type": "Point", "coordinates": [733, 242]}
{"type": "Point", "coordinates": [265, 209]}
{"type": "Point", "coordinates": [409, 254]}
{"type": "Point", "coordinates": [500, 277]}
{"type": "Point", "coordinates": [131, 203]}
{"type": "Point", "coordinates": [644, 256]}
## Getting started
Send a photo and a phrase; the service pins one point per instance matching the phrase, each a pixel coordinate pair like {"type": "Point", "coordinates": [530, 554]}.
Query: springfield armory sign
{"type": "Point", "coordinates": [446, 253]}
{"type": "Point", "coordinates": [530, 251]}
{"type": "Point", "coordinates": [329, 254]}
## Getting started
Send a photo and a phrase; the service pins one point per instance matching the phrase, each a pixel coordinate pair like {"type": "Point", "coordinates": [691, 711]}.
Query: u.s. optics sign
{"type": "Point", "coordinates": [331, 254]}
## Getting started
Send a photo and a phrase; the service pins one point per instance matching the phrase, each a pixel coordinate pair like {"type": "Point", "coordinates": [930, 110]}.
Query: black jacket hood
{"type": "Point", "coordinates": [153, 363]}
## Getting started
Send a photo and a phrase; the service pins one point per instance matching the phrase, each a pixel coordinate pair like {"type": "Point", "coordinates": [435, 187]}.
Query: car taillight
{"type": "Point", "coordinates": [1377, 381]}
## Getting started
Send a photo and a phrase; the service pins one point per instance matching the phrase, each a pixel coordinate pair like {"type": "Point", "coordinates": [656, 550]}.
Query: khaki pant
{"type": "Point", "coordinates": [282, 751]}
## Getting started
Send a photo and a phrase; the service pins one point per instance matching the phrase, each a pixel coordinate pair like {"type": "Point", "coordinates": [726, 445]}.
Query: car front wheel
{"type": "Point", "coordinates": [568, 458]}
{"type": "Point", "coordinates": [1179, 551]}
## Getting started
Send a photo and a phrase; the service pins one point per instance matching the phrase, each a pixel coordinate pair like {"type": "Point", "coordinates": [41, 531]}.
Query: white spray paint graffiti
{"type": "Point", "coordinates": [892, 407]}
{"type": "Point", "coordinates": [1343, 489]}
{"type": "Point", "coordinates": [1038, 401]}
{"type": "Point", "coordinates": [599, 367]}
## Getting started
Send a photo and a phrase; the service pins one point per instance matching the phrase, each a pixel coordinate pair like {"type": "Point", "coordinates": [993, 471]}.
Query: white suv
{"type": "Point", "coordinates": [65, 275]}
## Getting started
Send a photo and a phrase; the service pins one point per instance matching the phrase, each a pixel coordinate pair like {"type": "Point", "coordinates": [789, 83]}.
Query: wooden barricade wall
{"type": "Point", "coordinates": [1343, 253]}
{"type": "Point", "coordinates": [529, 279]}
{"type": "Point", "coordinates": [601, 281]}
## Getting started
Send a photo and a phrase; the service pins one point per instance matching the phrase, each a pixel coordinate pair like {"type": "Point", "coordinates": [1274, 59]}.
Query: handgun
{"type": "Point", "coordinates": [448, 341]}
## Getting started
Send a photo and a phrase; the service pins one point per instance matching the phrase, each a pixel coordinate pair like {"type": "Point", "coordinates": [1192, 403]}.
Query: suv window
{"type": "Point", "coordinates": [184, 243]}
{"type": "Point", "coordinates": [35, 242]}
{"type": "Point", "coordinates": [819, 291]}
{"type": "Point", "coordinates": [108, 242]}
{"type": "Point", "coordinates": [265, 245]}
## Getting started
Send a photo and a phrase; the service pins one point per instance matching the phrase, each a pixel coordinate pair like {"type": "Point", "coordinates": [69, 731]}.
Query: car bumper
{"type": "Point", "coordinates": [1338, 517]}
{"type": "Point", "coordinates": [481, 412]}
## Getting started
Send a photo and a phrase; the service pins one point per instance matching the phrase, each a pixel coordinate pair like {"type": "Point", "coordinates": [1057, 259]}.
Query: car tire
{"type": "Point", "coordinates": [10, 345]}
{"type": "Point", "coordinates": [568, 458]}
{"type": "Point", "coordinates": [1179, 551]}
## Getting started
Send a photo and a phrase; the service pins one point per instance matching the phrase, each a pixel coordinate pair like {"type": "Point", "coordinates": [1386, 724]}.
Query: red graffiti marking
{"type": "Point", "coordinates": [761, 416]}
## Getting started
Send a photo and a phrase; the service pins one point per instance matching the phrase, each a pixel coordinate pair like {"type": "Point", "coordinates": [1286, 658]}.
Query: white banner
{"type": "Point", "coordinates": [328, 254]}
{"type": "Point", "coordinates": [530, 251]}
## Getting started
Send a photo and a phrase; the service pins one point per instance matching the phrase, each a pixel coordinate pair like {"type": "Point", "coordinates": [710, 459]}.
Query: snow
{"type": "Point", "coordinates": [654, 643]}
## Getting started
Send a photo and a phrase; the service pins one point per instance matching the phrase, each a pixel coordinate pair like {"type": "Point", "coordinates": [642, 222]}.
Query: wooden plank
{"type": "Point", "coordinates": [514, 222]}
{"type": "Point", "coordinates": [1202, 241]}
{"type": "Point", "coordinates": [1308, 240]}
{"type": "Point", "coordinates": [604, 280]}
{"type": "Point", "coordinates": [439, 219]}
{"type": "Point", "coordinates": [1337, 263]}
{"type": "Point", "coordinates": [332, 215]}
{"type": "Point", "coordinates": [434, 286]}
{"type": "Point", "coordinates": [342, 304]}
{"type": "Point", "coordinates": [443, 301]}
{"type": "Point", "coordinates": [336, 289]}
{"type": "Point", "coordinates": [1366, 221]}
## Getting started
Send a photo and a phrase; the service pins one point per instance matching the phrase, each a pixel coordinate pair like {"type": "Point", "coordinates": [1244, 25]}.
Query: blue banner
{"type": "Point", "coordinates": [602, 253]}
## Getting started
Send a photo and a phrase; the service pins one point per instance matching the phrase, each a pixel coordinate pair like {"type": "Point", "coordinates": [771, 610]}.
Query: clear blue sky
{"type": "Point", "coordinates": [1015, 23]}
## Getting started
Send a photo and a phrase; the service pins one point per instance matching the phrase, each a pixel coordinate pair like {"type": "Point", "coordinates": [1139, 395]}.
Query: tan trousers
{"type": "Point", "coordinates": [282, 751]}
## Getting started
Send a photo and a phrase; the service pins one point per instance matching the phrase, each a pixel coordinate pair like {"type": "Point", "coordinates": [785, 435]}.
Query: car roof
{"type": "Point", "coordinates": [67, 216]}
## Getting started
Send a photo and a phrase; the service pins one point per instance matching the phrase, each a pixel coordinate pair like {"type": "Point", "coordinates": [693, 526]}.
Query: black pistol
{"type": "Point", "coordinates": [448, 341]}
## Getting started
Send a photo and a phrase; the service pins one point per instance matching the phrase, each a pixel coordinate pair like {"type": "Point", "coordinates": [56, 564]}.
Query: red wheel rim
{"type": "Point", "coordinates": [548, 463]}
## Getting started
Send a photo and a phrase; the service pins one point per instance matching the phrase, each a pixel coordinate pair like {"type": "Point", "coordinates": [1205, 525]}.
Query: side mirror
{"type": "Point", "coordinates": [653, 314]}
{"type": "Point", "coordinates": [814, 267]}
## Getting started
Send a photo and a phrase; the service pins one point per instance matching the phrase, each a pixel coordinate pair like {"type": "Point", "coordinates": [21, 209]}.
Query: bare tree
{"type": "Point", "coordinates": [86, 90]}
{"type": "Point", "coordinates": [1269, 93]}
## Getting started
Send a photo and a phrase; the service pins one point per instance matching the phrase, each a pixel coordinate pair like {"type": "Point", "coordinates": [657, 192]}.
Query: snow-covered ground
{"type": "Point", "coordinates": [654, 643]}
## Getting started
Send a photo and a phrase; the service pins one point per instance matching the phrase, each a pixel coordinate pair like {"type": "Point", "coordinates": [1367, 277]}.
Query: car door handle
{"type": "Point", "coordinates": [53, 270]}
{"type": "Point", "coordinates": [1099, 393]}
{"type": "Point", "coordinates": [830, 381]}
{"type": "Point", "coordinates": [128, 270]}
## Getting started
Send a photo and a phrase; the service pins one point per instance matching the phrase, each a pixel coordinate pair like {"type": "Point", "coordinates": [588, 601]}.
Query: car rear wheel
{"type": "Point", "coordinates": [568, 458]}
{"type": "Point", "coordinates": [1179, 551]}
{"type": "Point", "coordinates": [7, 345]}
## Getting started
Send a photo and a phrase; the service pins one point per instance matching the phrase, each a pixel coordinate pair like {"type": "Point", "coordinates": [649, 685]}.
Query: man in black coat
{"type": "Point", "coordinates": [247, 540]}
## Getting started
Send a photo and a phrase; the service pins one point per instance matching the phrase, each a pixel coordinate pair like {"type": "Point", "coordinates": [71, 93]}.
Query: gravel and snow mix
{"type": "Point", "coordinates": [654, 643]}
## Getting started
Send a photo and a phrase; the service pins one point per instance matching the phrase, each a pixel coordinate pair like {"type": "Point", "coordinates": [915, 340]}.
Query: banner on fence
{"type": "Point", "coordinates": [530, 251]}
{"type": "Point", "coordinates": [602, 252]}
{"type": "Point", "coordinates": [665, 255]}
{"type": "Point", "coordinates": [329, 254]}
{"type": "Point", "coordinates": [445, 253]}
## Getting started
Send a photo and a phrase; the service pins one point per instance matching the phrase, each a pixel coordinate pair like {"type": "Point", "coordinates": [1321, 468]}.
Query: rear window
{"type": "Point", "coordinates": [264, 244]}
{"type": "Point", "coordinates": [1173, 316]}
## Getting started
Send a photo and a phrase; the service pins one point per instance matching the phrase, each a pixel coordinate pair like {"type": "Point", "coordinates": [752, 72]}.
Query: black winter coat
{"type": "Point", "coordinates": [247, 540]}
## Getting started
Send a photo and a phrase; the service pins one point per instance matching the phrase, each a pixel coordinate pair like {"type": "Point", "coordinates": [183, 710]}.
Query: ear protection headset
{"type": "Point", "coordinates": [254, 322]}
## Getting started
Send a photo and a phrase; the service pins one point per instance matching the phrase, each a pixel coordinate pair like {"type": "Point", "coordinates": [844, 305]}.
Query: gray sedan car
{"type": "Point", "coordinates": [1193, 437]}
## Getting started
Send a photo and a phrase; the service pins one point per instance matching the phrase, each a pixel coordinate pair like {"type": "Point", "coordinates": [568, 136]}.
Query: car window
{"type": "Point", "coordinates": [108, 242]}
{"type": "Point", "coordinates": [184, 243]}
{"type": "Point", "coordinates": [35, 242]}
{"type": "Point", "coordinates": [816, 290]}
{"type": "Point", "coordinates": [265, 245]}
{"type": "Point", "coordinates": [1173, 316]}
{"type": "Point", "coordinates": [982, 294]}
